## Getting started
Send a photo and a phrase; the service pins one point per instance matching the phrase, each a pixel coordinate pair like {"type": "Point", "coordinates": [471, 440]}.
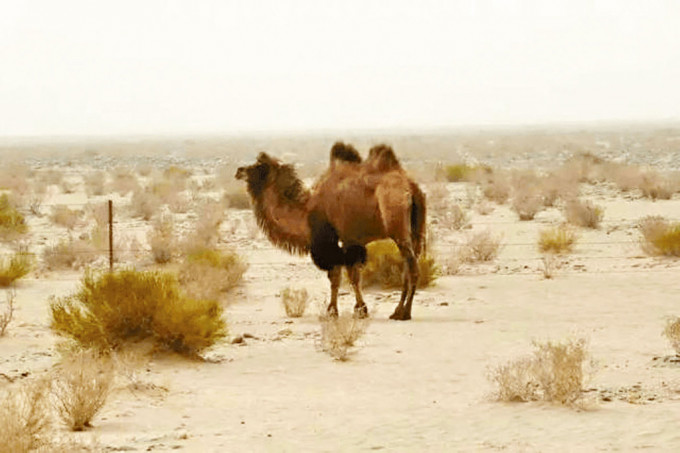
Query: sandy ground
{"type": "Point", "coordinates": [409, 386]}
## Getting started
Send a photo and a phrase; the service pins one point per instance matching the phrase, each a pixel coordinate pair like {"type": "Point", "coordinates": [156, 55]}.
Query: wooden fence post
{"type": "Point", "coordinates": [110, 236]}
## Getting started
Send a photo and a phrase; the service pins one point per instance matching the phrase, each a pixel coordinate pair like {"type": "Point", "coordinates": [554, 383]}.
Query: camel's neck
{"type": "Point", "coordinates": [283, 220]}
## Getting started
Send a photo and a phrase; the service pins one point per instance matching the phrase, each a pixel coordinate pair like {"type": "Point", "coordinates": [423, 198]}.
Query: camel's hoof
{"type": "Point", "coordinates": [361, 312]}
{"type": "Point", "coordinates": [332, 313]}
{"type": "Point", "coordinates": [400, 316]}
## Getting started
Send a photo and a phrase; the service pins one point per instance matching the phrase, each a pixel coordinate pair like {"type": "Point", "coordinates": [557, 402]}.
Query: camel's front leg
{"type": "Point", "coordinates": [411, 274]}
{"type": "Point", "coordinates": [360, 308]}
{"type": "Point", "coordinates": [335, 276]}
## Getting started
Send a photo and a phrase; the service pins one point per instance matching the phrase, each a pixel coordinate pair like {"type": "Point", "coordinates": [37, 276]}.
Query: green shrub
{"type": "Point", "coordinates": [459, 172]}
{"type": "Point", "coordinates": [13, 269]}
{"type": "Point", "coordinates": [385, 266]}
{"type": "Point", "coordinates": [114, 307]}
{"type": "Point", "coordinates": [558, 239]}
{"type": "Point", "coordinates": [660, 237]}
{"type": "Point", "coordinates": [12, 222]}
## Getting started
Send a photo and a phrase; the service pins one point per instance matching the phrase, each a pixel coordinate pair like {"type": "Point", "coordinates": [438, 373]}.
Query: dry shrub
{"type": "Point", "coordinates": [672, 333]}
{"type": "Point", "coordinates": [497, 188]}
{"type": "Point", "coordinates": [52, 177]}
{"type": "Point", "coordinates": [294, 301]}
{"type": "Point", "coordinates": [551, 263]}
{"type": "Point", "coordinates": [237, 199]}
{"type": "Point", "coordinates": [455, 218]}
{"type": "Point", "coordinates": [659, 237]}
{"type": "Point", "coordinates": [80, 387]}
{"type": "Point", "coordinates": [559, 239]}
{"type": "Point", "coordinates": [626, 177]}
{"type": "Point", "coordinates": [162, 240]}
{"type": "Point", "coordinates": [63, 216]}
{"type": "Point", "coordinates": [70, 254]}
{"type": "Point", "coordinates": [557, 186]}
{"type": "Point", "coordinates": [583, 213]}
{"type": "Point", "coordinates": [206, 230]}
{"type": "Point", "coordinates": [481, 246]}
{"type": "Point", "coordinates": [584, 167]}
{"type": "Point", "coordinates": [144, 204]}
{"type": "Point", "coordinates": [124, 181]}
{"type": "Point", "coordinates": [385, 266]}
{"type": "Point", "coordinates": [12, 269]}
{"type": "Point", "coordinates": [24, 418]}
{"type": "Point", "coordinates": [208, 273]}
{"type": "Point", "coordinates": [115, 307]}
{"type": "Point", "coordinates": [527, 203]}
{"type": "Point", "coordinates": [12, 222]}
{"type": "Point", "coordinates": [8, 313]}
{"type": "Point", "coordinates": [460, 172]}
{"type": "Point", "coordinates": [340, 333]}
{"type": "Point", "coordinates": [95, 184]}
{"type": "Point", "coordinates": [555, 373]}
{"type": "Point", "coordinates": [656, 187]}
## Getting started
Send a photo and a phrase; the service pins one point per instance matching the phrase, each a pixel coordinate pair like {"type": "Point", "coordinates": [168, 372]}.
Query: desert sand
{"type": "Point", "coordinates": [419, 385]}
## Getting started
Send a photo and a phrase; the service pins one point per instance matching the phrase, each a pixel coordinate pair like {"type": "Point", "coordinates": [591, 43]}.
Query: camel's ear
{"type": "Point", "coordinates": [263, 157]}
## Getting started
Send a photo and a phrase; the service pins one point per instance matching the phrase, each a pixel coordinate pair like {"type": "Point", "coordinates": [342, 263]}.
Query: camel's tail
{"type": "Point", "coordinates": [418, 219]}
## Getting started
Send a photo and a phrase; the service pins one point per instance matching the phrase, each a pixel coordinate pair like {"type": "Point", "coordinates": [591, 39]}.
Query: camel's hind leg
{"type": "Point", "coordinates": [360, 308]}
{"type": "Point", "coordinates": [411, 273]}
{"type": "Point", "coordinates": [335, 277]}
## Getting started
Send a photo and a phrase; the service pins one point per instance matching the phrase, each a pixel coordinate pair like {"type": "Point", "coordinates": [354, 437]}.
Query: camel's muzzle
{"type": "Point", "coordinates": [240, 173]}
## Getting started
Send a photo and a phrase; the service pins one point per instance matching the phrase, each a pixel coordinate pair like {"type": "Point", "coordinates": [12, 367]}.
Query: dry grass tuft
{"type": "Point", "coordinates": [481, 246]}
{"type": "Point", "coordinates": [385, 266]}
{"type": "Point", "coordinates": [112, 308]}
{"type": "Point", "coordinates": [583, 213]}
{"type": "Point", "coordinates": [659, 237]}
{"type": "Point", "coordinates": [12, 222]}
{"type": "Point", "coordinates": [63, 216]}
{"type": "Point", "coordinates": [340, 333]}
{"type": "Point", "coordinates": [672, 332]}
{"type": "Point", "coordinates": [294, 301]}
{"type": "Point", "coordinates": [81, 386]}
{"type": "Point", "coordinates": [12, 269]}
{"type": "Point", "coordinates": [7, 315]}
{"type": "Point", "coordinates": [209, 273]}
{"type": "Point", "coordinates": [162, 240]}
{"type": "Point", "coordinates": [24, 418]}
{"type": "Point", "coordinates": [555, 373]}
{"type": "Point", "coordinates": [558, 239]}
{"type": "Point", "coordinates": [70, 254]}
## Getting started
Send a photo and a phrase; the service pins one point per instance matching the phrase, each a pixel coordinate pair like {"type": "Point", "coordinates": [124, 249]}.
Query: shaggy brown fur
{"type": "Point", "coordinates": [352, 204]}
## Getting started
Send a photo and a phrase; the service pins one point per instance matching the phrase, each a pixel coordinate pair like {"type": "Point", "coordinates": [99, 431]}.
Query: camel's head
{"type": "Point", "coordinates": [268, 171]}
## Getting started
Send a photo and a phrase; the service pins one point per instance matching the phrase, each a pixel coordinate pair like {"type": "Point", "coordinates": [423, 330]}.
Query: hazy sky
{"type": "Point", "coordinates": [199, 66]}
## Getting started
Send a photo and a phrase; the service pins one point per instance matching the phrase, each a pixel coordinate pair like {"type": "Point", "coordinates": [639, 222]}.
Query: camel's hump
{"type": "Point", "coordinates": [345, 153]}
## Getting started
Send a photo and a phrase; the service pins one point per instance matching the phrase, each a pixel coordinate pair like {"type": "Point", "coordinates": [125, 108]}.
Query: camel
{"type": "Point", "coordinates": [353, 203]}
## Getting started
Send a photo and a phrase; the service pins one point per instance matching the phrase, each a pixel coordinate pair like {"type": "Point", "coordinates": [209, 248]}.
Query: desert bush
{"type": "Point", "coordinates": [208, 273]}
{"type": "Point", "coordinates": [63, 216]}
{"type": "Point", "coordinates": [144, 204]}
{"type": "Point", "coordinates": [340, 333]}
{"type": "Point", "coordinates": [659, 237]}
{"type": "Point", "coordinates": [459, 172]}
{"type": "Point", "coordinates": [385, 266]}
{"type": "Point", "coordinates": [583, 213]}
{"type": "Point", "coordinates": [294, 301]}
{"type": "Point", "coordinates": [24, 418]}
{"type": "Point", "coordinates": [559, 239]}
{"type": "Point", "coordinates": [8, 313]}
{"type": "Point", "coordinates": [80, 387]}
{"type": "Point", "coordinates": [70, 254]}
{"type": "Point", "coordinates": [206, 229]}
{"type": "Point", "coordinates": [555, 373]}
{"type": "Point", "coordinates": [550, 264]}
{"type": "Point", "coordinates": [237, 199]}
{"type": "Point", "coordinates": [497, 188]}
{"type": "Point", "coordinates": [95, 183]}
{"type": "Point", "coordinates": [481, 246]}
{"type": "Point", "coordinates": [527, 203]}
{"type": "Point", "coordinates": [114, 307]}
{"type": "Point", "coordinates": [584, 167]}
{"type": "Point", "coordinates": [672, 333]}
{"type": "Point", "coordinates": [12, 269]}
{"type": "Point", "coordinates": [124, 181]}
{"type": "Point", "coordinates": [12, 222]}
{"type": "Point", "coordinates": [162, 240]}
{"type": "Point", "coordinates": [455, 218]}
{"type": "Point", "coordinates": [656, 187]}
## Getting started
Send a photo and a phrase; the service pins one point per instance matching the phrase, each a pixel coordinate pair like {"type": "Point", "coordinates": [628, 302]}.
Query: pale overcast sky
{"type": "Point", "coordinates": [198, 66]}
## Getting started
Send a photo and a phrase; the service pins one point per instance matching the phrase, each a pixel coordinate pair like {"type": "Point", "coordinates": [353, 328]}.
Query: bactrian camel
{"type": "Point", "coordinates": [353, 203]}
